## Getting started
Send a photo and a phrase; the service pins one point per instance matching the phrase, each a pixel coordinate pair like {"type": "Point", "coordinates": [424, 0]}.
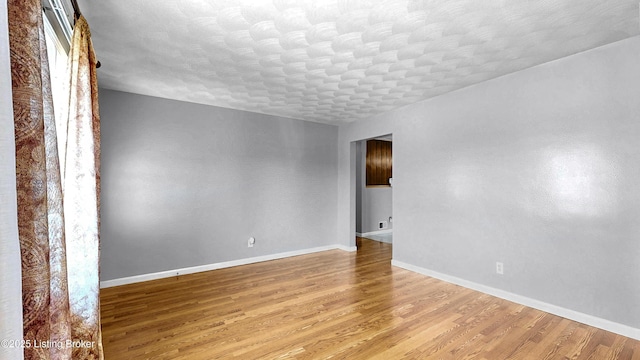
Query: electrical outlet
{"type": "Point", "coordinates": [499, 268]}
{"type": "Point", "coordinates": [251, 242]}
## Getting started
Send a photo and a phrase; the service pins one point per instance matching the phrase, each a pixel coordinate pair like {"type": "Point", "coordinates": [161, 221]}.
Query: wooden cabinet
{"type": "Point", "coordinates": [379, 162]}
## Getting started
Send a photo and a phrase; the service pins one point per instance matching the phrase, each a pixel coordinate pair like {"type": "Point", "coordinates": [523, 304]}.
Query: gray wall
{"type": "Point", "coordinates": [374, 204]}
{"type": "Point", "coordinates": [10, 265]}
{"type": "Point", "coordinates": [537, 169]}
{"type": "Point", "coordinates": [186, 184]}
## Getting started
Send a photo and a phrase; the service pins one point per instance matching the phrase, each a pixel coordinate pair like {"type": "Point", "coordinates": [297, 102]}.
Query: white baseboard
{"type": "Point", "coordinates": [379, 232]}
{"type": "Point", "coordinates": [226, 264]}
{"type": "Point", "coordinates": [590, 320]}
{"type": "Point", "coordinates": [346, 248]}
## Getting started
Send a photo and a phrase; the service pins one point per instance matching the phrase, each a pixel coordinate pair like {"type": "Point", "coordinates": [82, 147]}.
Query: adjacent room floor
{"type": "Point", "coordinates": [336, 304]}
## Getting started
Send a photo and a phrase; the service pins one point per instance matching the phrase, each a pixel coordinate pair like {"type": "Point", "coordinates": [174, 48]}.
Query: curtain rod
{"type": "Point", "coordinates": [76, 16]}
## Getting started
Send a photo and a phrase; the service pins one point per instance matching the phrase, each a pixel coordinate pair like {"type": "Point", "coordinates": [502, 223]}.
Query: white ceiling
{"type": "Point", "coordinates": [336, 61]}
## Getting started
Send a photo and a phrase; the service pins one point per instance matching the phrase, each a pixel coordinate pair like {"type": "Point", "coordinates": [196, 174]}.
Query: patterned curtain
{"type": "Point", "coordinates": [60, 307]}
{"type": "Point", "coordinates": [82, 194]}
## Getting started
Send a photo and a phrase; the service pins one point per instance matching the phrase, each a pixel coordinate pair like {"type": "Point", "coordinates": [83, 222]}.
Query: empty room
{"type": "Point", "coordinates": [345, 179]}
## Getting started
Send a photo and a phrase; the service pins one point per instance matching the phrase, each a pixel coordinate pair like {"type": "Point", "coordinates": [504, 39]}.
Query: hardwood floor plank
{"type": "Point", "coordinates": [336, 304]}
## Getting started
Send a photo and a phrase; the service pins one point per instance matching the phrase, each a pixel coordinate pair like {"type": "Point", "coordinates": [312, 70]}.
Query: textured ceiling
{"type": "Point", "coordinates": [336, 61]}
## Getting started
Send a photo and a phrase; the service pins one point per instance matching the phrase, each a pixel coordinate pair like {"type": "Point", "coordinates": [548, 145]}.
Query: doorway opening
{"type": "Point", "coordinates": [374, 189]}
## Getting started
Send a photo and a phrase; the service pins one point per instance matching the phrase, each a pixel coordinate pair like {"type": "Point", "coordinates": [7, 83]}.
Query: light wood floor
{"type": "Point", "coordinates": [337, 305]}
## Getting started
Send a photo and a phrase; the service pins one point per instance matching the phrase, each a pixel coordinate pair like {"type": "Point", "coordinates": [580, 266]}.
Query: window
{"type": "Point", "coordinates": [379, 163]}
{"type": "Point", "coordinates": [57, 52]}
